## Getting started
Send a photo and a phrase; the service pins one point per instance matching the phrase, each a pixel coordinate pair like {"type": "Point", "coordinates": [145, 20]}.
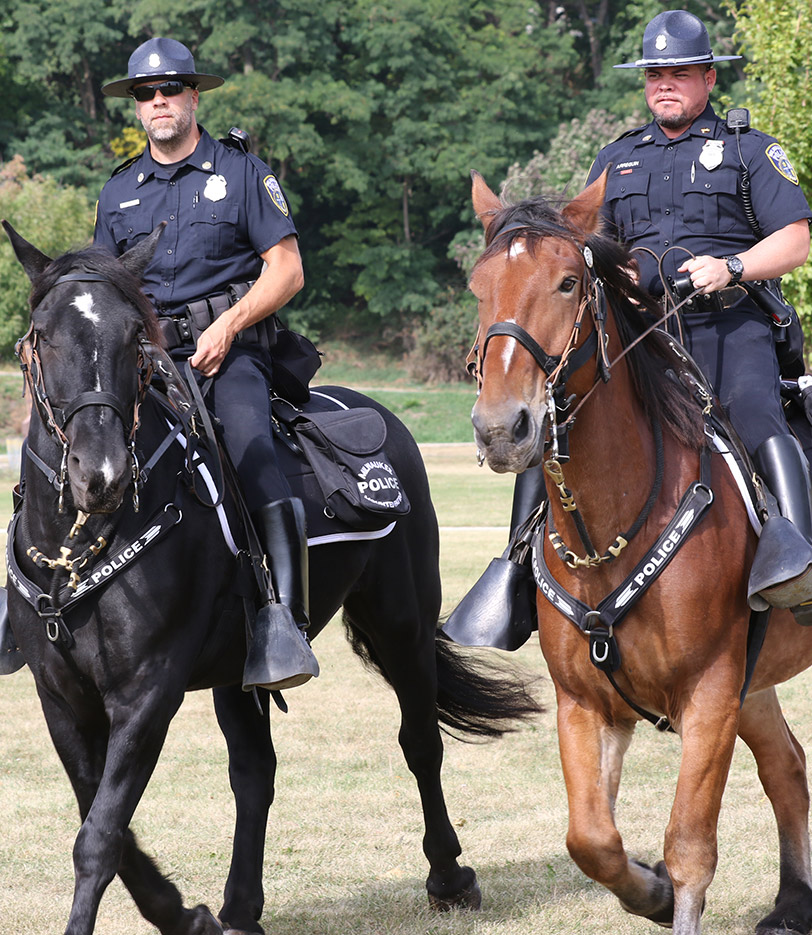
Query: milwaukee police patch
{"type": "Point", "coordinates": [778, 158]}
{"type": "Point", "coordinates": [273, 189]}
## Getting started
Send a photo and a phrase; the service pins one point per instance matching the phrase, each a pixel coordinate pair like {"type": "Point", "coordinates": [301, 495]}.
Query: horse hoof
{"type": "Point", "coordinates": [659, 906]}
{"type": "Point", "coordinates": [469, 898]}
{"type": "Point", "coordinates": [203, 922]}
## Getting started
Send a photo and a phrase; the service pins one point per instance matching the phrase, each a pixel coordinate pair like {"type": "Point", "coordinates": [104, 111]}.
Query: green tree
{"type": "Point", "coordinates": [53, 218]}
{"type": "Point", "coordinates": [776, 39]}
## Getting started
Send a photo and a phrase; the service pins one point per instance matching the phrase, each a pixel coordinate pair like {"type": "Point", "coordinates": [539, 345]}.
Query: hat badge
{"type": "Point", "coordinates": [661, 42]}
{"type": "Point", "coordinates": [154, 60]}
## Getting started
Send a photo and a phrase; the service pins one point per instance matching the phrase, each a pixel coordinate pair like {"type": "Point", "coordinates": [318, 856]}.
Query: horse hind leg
{"type": "Point", "coordinates": [395, 631]}
{"type": "Point", "coordinates": [782, 772]}
{"type": "Point", "coordinates": [251, 769]}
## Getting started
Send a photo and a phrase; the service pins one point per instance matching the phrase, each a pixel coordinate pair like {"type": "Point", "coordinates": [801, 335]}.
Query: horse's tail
{"type": "Point", "coordinates": [477, 698]}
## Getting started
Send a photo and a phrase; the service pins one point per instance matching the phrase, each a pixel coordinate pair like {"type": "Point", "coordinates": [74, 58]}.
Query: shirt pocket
{"type": "Point", "coordinates": [128, 230]}
{"type": "Point", "coordinates": [214, 228]}
{"type": "Point", "coordinates": [711, 204]}
{"type": "Point", "coordinates": [627, 201]}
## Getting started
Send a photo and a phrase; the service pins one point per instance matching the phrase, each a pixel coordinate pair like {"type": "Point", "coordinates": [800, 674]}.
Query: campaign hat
{"type": "Point", "coordinates": [676, 37]}
{"type": "Point", "coordinates": [161, 58]}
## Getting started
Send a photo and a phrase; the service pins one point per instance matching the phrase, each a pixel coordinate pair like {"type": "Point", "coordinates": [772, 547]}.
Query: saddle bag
{"type": "Point", "coordinates": [345, 449]}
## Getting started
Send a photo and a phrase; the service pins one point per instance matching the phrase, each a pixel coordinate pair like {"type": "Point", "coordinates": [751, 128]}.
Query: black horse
{"type": "Point", "coordinates": [126, 610]}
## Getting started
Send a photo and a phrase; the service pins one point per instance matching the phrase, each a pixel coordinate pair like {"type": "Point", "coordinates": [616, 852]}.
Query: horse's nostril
{"type": "Point", "coordinates": [522, 427]}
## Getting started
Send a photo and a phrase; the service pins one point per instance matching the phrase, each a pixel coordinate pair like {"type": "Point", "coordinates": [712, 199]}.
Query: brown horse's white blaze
{"type": "Point", "coordinates": [510, 414]}
{"type": "Point", "coordinates": [683, 644]}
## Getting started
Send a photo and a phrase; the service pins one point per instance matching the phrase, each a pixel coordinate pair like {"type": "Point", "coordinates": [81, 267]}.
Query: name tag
{"type": "Point", "coordinates": [130, 204]}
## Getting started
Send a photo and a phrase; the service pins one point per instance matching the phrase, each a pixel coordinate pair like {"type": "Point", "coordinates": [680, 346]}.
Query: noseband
{"type": "Point", "coordinates": [559, 367]}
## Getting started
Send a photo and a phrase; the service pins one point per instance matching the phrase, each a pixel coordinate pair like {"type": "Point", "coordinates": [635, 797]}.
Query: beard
{"type": "Point", "coordinates": [169, 133]}
{"type": "Point", "coordinates": [673, 121]}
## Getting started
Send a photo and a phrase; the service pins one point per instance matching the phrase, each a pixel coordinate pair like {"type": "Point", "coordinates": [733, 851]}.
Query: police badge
{"type": "Point", "coordinates": [711, 154]}
{"type": "Point", "coordinates": [215, 189]}
{"type": "Point", "coordinates": [273, 189]}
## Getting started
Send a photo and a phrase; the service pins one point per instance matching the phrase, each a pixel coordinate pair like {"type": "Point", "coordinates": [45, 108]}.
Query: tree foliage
{"type": "Point", "coordinates": [372, 113]}
{"type": "Point", "coordinates": [52, 217]}
{"type": "Point", "coordinates": [776, 39]}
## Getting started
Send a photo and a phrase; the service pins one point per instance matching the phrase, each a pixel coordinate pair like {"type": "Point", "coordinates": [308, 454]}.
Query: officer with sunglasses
{"type": "Point", "coordinates": [227, 261]}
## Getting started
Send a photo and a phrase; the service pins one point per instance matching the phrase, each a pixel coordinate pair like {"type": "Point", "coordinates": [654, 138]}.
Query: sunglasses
{"type": "Point", "coordinates": [146, 92]}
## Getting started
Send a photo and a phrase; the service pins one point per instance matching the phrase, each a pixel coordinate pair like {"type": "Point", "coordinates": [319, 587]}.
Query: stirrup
{"type": "Point", "coordinates": [499, 610]}
{"type": "Point", "coordinates": [279, 654]}
{"type": "Point", "coordinates": [781, 575]}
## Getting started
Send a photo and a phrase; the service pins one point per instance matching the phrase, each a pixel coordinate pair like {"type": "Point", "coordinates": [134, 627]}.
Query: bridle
{"type": "Point", "coordinates": [56, 419]}
{"type": "Point", "coordinates": [559, 368]}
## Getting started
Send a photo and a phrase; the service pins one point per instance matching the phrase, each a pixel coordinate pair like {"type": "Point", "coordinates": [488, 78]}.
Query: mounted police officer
{"type": "Point", "coordinates": [227, 261]}
{"type": "Point", "coordinates": [715, 205]}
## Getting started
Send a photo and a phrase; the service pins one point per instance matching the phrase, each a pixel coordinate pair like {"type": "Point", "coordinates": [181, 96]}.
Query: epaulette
{"type": "Point", "coordinates": [125, 165]}
{"type": "Point", "coordinates": [631, 132]}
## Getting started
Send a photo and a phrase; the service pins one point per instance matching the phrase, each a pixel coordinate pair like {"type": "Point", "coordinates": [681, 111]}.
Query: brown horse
{"type": "Point", "coordinates": [550, 348]}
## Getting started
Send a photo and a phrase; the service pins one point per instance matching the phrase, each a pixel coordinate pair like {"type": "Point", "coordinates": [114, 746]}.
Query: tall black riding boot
{"type": "Point", "coordinates": [279, 654]}
{"type": "Point", "coordinates": [782, 567]}
{"type": "Point", "coordinates": [11, 659]}
{"type": "Point", "coordinates": [500, 609]}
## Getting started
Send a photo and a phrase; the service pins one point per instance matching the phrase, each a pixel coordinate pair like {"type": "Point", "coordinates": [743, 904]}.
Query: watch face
{"type": "Point", "coordinates": [735, 267]}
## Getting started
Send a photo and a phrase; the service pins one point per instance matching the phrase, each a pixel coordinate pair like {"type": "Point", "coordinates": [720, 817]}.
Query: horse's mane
{"type": "Point", "coordinates": [652, 363]}
{"type": "Point", "coordinates": [95, 259]}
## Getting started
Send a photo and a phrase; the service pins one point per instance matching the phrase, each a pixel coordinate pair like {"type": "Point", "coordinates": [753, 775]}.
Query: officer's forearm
{"type": "Point", "coordinates": [279, 281]}
{"type": "Point", "coordinates": [778, 254]}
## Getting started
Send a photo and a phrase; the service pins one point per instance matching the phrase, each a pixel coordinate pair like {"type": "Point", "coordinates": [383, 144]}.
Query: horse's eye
{"type": "Point", "coordinates": [568, 284]}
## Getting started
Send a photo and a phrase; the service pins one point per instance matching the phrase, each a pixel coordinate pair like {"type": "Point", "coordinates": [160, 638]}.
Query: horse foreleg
{"type": "Point", "coordinates": [104, 846]}
{"type": "Point", "coordinates": [592, 758]}
{"type": "Point", "coordinates": [251, 769]}
{"type": "Point", "coordinates": [708, 729]}
{"type": "Point", "coordinates": [82, 750]}
{"type": "Point", "coordinates": [782, 771]}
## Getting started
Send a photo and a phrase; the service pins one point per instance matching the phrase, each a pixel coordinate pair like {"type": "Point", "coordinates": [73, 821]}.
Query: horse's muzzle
{"type": "Point", "coordinates": [509, 436]}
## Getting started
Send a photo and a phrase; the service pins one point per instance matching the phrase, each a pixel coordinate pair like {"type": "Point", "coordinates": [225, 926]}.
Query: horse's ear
{"type": "Point", "coordinates": [137, 259]}
{"type": "Point", "coordinates": [583, 212]}
{"type": "Point", "coordinates": [486, 204]}
{"type": "Point", "coordinates": [33, 261]}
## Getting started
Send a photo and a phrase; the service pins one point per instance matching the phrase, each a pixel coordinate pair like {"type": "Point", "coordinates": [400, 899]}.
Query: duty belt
{"type": "Point", "coordinates": [182, 329]}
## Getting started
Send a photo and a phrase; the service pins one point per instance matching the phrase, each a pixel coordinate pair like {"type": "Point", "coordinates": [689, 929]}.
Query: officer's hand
{"type": "Point", "coordinates": [212, 347]}
{"type": "Point", "coordinates": [708, 273]}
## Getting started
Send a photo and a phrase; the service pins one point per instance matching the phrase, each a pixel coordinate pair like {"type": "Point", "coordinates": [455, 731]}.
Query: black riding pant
{"type": "Point", "coordinates": [736, 350]}
{"type": "Point", "coordinates": [240, 398]}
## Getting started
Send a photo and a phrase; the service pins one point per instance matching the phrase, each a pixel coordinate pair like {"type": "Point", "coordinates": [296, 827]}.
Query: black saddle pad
{"type": "Point", "coordinates": [322, 528]}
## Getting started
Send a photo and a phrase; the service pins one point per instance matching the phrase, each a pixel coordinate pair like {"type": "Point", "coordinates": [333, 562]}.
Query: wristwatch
{"type": "Point", "coordinates": [735, 267]}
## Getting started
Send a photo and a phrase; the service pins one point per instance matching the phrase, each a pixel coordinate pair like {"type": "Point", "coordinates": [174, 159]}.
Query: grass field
{"type": "Point", "coordinates": [344, 844]}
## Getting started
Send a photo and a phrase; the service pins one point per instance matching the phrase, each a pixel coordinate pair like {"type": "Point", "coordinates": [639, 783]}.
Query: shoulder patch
{"type": "Point", "coordinates": [780, 163]}
{"type": "Point", "coordinates": [275, 192]}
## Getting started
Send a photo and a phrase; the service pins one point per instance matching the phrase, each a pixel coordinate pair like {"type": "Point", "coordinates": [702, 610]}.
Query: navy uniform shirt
{"type": "Point", "coordinates": [686, 192]}
{"type": "Point", "coordinates": [223, 209]}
